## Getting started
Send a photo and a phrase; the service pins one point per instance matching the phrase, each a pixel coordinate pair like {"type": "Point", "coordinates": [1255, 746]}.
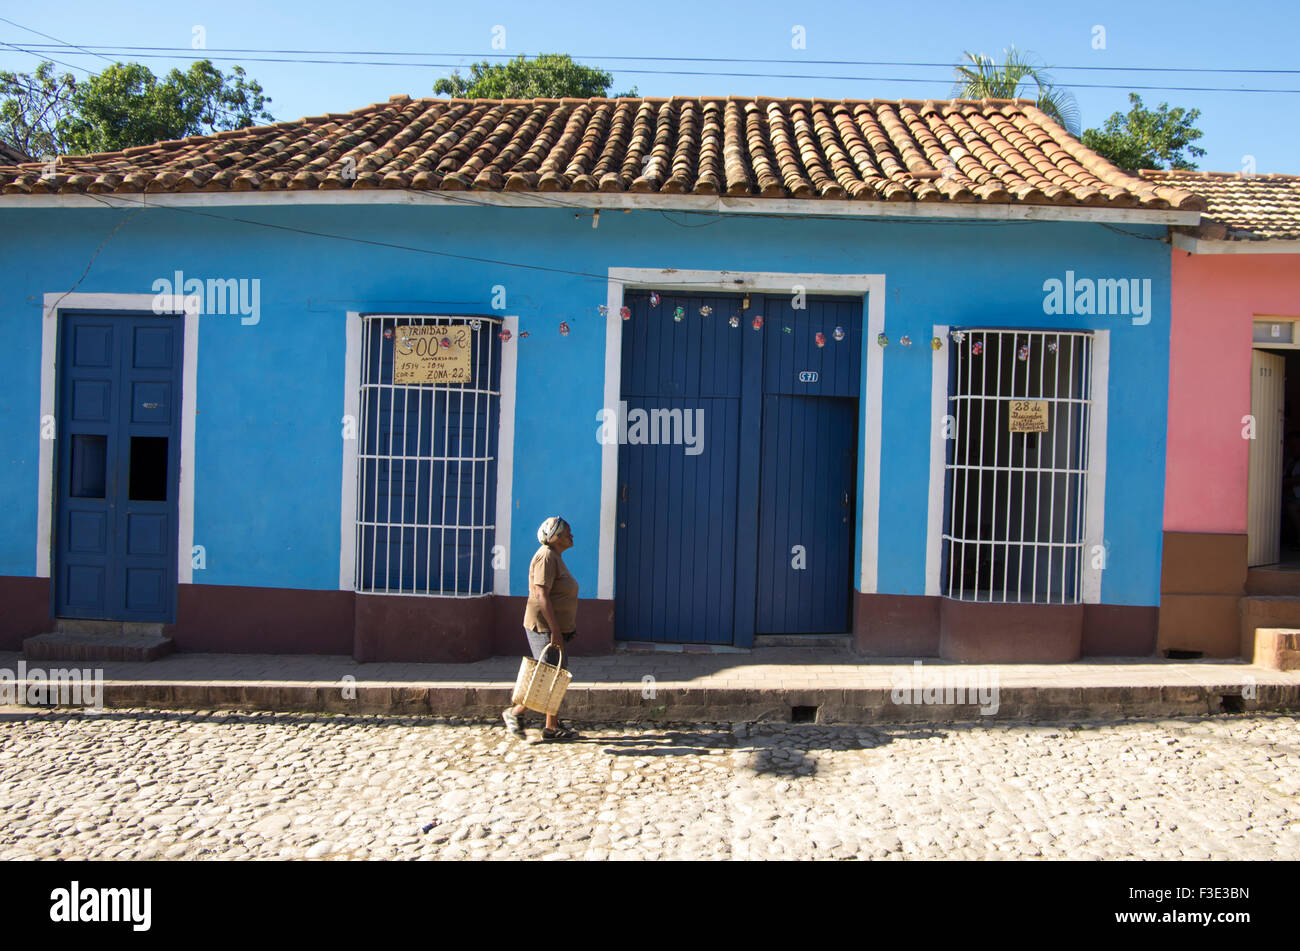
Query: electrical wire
{"type": "Point", "coordinates": [708, 73]}
{"type": "Point", "coordinates": [661, 59]}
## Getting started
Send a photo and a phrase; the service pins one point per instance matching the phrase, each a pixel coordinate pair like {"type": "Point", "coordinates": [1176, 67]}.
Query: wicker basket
{"type": "Point", "coordinates": [541, 686]}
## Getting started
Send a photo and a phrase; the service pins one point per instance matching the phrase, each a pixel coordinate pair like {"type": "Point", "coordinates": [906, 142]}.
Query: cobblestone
{"type": "Point", "coordinates": [216, 785]}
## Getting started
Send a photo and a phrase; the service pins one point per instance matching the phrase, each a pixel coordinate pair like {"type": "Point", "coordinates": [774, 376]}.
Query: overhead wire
{"type": "Point", "coordinates": [663, 59]}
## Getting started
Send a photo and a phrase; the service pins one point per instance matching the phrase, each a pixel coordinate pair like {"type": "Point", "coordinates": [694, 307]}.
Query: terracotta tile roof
{"type": "Point", "coordinates": [1258, 208]}
{"type": "Point", "coordinates": [969, 151]}
{"type": "Point", "coordinates": [11, 156]}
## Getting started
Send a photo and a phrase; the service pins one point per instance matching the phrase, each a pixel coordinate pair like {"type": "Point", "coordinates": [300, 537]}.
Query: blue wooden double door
{"type": "Point", "coordinates": [117, 467]}
{"type": "Point", "coordinates": [737, 467]}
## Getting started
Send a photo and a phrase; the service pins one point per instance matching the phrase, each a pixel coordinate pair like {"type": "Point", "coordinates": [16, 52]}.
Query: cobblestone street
{"type": "Point", "coordinates": [154, 784]}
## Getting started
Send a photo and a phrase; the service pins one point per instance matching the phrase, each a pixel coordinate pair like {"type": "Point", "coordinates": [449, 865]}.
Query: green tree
{"type": "Point", "coordinates": [980, 77]}
{"type": "Point", "coordinates": [31, 107]}
{"type": "Point", "coordinates": [549, 76]}
{"type": "Point", "coordinates": [125, 105]}
{"type": "Point", "coordinates": [1147, 139]}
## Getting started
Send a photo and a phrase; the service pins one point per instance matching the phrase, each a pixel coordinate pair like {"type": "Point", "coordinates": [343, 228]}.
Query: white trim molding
{"type": "Point", "coordinates": [1095, 512]}
{"type": "Point", "coordinates": [938, 459]}
{"type": "Point", "coordinates": [592, 201]}
{"type": "Point", "coordinates": [351, 410]}
{"type": "Point", "coordinates": [872, 286]}
{"type": "Point", "coordinates": [116, 305]}
{"type": "Point", "coordinates": [1185, 242]}
{"type": "Point", "coordinates": [506, 454]}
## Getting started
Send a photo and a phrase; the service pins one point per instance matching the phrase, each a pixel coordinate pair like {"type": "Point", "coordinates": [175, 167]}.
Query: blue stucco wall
{"type": "Point", "coordinates": [268, 450]}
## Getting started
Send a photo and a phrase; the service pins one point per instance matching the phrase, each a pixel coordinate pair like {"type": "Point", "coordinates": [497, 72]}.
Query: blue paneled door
{"type": "Point", "coordinates": [679, 423]}
{"type": "Point", "coordinates": [806, 520]}
{"type": "Point", "coordinates": [705, 527]}
{"type": "Point", "coordinates": [118, 467]}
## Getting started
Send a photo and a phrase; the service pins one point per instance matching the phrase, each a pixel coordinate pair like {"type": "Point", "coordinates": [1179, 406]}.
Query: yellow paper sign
{"type": "Point", "coordinates": [1028, 416]}
{"type": "Point", "coordinates": [433, 353]}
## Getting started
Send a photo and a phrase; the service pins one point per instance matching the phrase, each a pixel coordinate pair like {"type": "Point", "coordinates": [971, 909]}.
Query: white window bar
{"type": "Point", "coordinates": [978, 401]}
{"type": "Point", "coordinates": [390, 529]}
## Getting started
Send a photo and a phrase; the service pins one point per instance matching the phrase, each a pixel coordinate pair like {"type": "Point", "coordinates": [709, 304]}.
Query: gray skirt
{"type": "Point", "coordinates": [539, 642]}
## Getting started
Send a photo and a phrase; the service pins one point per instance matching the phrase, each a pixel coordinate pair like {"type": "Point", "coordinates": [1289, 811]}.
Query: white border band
{"type": "Point", "coordinates": [351, 409]}
{"type": "Point", "coordinates": [351, 471]}
{"type": "Point", "coordinates": [938, 459]}
{"type": "Point", "coordinates": [870, 285]}
{"type": "Point", "coordinates": [715, 204]}
{"type": "Point", "coordinates": [116, 305]}
{"type": "Point", "coordinates": [1210, 246]}
{"type": "Point", "coordinates": [1095, 513]}
{"type": "Point", "coordinates": [506, 454]}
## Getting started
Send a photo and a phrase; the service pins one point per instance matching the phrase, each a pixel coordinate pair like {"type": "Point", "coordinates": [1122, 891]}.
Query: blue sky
{"type": "Point", "coordinates": [1187, 34]}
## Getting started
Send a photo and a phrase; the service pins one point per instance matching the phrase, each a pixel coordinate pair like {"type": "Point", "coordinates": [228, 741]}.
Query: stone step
{"type": "Point", "coordinates": [1266, 611]}
{"type": "Point", "coordinates": [1236, 693]}
{"type": "Point", "coordinates": [82, 646]}
{"type": "Point", "coordinates": [810, 641]}
{"type": "Point", "coordinates": [1283, 582]}
{"type": "Point", "coordinates": [72, 625]}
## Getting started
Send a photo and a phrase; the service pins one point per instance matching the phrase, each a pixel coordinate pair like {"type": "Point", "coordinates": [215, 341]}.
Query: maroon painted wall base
{"type": "Point", "coordinates": [246, 620]}
{"type": "Point", "coordinates": [24, 610]}
{"type": "Point", "coordinates": [892, 625]}
{"type": "Point", "coordinates": [1010, 633]}
{"type": "Point", "coordinates": [225, 619]}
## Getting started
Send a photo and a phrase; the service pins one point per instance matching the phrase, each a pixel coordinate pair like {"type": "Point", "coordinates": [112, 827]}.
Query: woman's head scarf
{"type": "Point", "coordinates": [550, 528]}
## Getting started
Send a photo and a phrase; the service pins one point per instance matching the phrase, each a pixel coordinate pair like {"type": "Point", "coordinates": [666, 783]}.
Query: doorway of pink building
{"type": "Point", "coordinates": [1273, 518]}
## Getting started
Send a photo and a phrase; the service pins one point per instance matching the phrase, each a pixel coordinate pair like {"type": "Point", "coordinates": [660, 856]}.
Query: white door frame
{"type": "Point", "coordinates": [1256, 447]}
{"type": "Point", "coordinates": [119, 305]}
{"type": "Point", "coordinates": [872, 286]}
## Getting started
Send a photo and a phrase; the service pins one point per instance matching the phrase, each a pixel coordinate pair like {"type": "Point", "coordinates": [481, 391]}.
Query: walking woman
{"type": "Point", "coordinates": [552, 614]}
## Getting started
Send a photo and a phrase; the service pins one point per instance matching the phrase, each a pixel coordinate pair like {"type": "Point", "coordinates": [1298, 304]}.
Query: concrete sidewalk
{"type": "Point", "coordinates": [774, 684]}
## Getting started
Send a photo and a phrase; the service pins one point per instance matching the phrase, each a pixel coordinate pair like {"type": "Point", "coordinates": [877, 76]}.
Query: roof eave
{"type": "Point", "coordinates": [1196, 245]}
{"type": "Point", "coordinates": [718, 204]}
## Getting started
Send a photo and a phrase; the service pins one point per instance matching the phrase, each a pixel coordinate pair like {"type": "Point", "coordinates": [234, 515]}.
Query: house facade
{"type": "Point", "coordinates": [1232, 529]}
{"type": "Point", "coordinates": [788, 367]}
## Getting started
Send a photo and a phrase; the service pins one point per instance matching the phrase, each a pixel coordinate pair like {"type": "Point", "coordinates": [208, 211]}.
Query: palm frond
{"type": "Point", "coordinates": [980, 77]}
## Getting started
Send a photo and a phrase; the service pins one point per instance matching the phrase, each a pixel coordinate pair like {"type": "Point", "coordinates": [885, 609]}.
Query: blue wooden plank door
{"type": "Point", "coordinates": [703, 551]}
{"type": "Point", "coordinates": [117, 499]}
{"type": "Point", "coordinates": [807, 491]}
{"type": "Point", "coordinates": [807, 500]}
{"type": "Point", "coordinates": [675, 564]}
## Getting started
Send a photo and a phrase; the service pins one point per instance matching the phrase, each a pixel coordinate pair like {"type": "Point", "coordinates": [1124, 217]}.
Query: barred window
{"type": "Point", "coordinates": [1016, 498]}
{"type": "Point", "coordinates": [427, 465]}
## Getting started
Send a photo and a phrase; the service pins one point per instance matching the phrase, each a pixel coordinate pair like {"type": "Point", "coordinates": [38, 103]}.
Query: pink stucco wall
{"type": "Point", "coordinates": [1215, 298]}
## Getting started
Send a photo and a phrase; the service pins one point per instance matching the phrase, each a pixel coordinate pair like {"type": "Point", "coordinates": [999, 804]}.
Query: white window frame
{"type": "Point", "coordinates": [351, 529]}
{"type": "Point", "coordinates": [1094, 495]}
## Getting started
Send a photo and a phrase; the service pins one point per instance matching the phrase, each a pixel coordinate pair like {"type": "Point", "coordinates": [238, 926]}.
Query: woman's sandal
{"type": "Point", "coordinates": [513, 723]}
{"type": "Point", "coordinates": [564, 732]}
